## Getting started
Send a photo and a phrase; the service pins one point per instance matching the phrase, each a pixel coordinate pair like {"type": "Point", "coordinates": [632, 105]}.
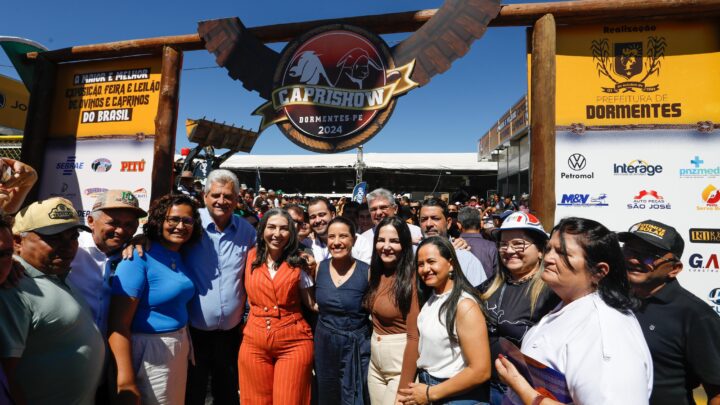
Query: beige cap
{"type": "Point", "coordinates": [48, 217]}
{"type": "Point", "coordinates": [117, 199]}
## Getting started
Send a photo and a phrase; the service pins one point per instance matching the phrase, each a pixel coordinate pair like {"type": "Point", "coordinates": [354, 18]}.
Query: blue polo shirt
{"type": "Point", "coordinates": [158, 279]}
{"type": "Point", "coordinates": [216, 265]}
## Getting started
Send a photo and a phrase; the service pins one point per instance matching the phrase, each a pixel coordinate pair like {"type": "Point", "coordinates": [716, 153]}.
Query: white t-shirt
{"type": "Point", "coordinates": [439, 357]}
{"type": "Point", "coordinates": [601, 351]}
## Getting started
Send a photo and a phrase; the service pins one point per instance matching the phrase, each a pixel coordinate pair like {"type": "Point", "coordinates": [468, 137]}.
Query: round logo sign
{"type": "Point", "coordinates": [334, 88]}
{"type": "Point", "coordinates": [101, 165]}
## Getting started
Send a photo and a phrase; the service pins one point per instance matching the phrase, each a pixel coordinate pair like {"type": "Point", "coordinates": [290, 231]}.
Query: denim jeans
{"type": "Point", "coordinates": [497, 392]}
{"type": "Point", "coordinates": [479, 395]}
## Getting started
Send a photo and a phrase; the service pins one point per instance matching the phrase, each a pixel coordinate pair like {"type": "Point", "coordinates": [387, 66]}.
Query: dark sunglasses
{"type": "Point", "coordinates": [647, 258]}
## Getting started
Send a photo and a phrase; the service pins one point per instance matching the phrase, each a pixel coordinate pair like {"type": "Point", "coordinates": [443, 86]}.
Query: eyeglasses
{"type": "Point", "coordinates": [649, 259]}
{"type": "Point", "coordinates": [382, 208]}
{"type": "Point", "coordinates": [518, 245]}
{"type": "Point", "coordinates": [174, 221]}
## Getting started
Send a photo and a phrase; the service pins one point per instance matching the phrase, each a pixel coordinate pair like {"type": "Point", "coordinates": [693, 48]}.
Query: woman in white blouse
{"type": "Point", "coordinates": [592, 337]}
{"type": "Point", "coordinates": [454, 362]}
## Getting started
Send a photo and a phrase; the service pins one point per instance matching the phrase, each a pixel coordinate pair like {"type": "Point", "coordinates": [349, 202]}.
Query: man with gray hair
{"type": "Point", "coordinates": [217, 267]}
{"type": "Point", "coordinates": [381, 204]}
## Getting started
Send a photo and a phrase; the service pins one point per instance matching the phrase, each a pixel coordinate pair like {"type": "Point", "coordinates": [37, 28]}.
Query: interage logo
{"type": "Point", "coordinates": [637, 167]}
{"type": "Point", "coordinates": [577, 162]}
{"type": "Point", "coordinates": [698, 171]}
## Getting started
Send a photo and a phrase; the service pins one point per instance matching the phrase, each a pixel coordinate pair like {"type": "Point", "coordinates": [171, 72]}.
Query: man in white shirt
{"type": "Point", "coordinates": [381, 204]}
{"type": "Point", "coordinates": [434, 221]}
{"type": "Point", "coordinates": [321, 212]}
{"type": "Point", "coordinates": [114, 219]}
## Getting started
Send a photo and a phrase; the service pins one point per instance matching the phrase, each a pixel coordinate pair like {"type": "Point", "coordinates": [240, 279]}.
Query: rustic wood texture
{"type": "Point", "coordinates": [566, 12]}
{"type": "Point", "coordinates": [37, 123]}
{"type": "Point", "coordinates": [166, 122]}
{"type": "Point", "coordinates": [446, 37]}
{"type": "Point", "coordinates": [542, 121]}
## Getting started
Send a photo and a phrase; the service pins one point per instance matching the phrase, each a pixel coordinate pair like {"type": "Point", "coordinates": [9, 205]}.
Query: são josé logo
{"type": "Point", "coordinates": [334, 88]}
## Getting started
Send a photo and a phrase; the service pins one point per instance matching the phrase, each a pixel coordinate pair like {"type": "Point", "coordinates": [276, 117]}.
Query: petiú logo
{"type": "Point", "coordinates": [714, 298]}
{"type": "Point", "coordinates": [69, 165]}
{"type": "Point", "coordinates": [704, 263]}
{"type": "Point", "coordinates": [637, 167]}
{"type": "Point", "coordinates": [101, 165]}
{"type": "Point", "coordinates": [650, 200]}
{"type": "Point", "coordinates": [711, 199]}
{"type": "Point", "coordinates": [335, 87]}
{"type": "Point", "coordinates": [577, 163]}
{"type": "Point", "coordinates": [583, 200]}
{"type": "Point", "coordinates": [132, 166]}
{"type": "Point", "coordinates": [704, 235]}
{"type": "Point", "coordinates": [698, 171]}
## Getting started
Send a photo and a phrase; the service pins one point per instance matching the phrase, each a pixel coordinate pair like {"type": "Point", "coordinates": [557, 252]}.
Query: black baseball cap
{"type": "Point", "coordinates": [657, 234]}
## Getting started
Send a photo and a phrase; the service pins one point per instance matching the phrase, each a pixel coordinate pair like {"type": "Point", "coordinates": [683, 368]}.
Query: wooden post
{"type": "Point", "coordinates": [542, 121]}
{"type": "Point", "coordinates": [37, 123]}
{"type": "Point", "coordinates": [166, 123]}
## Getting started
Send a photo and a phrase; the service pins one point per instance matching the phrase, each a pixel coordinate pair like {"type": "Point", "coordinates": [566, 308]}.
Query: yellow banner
{"type": "Point", "coordinates": [14, 99]}
{"type": "Point", "coordinates": [113, 97]}
{"type": "Point", "coordinates": [638, 73]}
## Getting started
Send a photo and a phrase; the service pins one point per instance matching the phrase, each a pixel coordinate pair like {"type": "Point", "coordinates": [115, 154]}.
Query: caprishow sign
{"type": "Point", "coordinates": [635, 139]}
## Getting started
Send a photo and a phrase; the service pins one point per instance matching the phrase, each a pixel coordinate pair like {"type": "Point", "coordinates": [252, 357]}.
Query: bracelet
{"type": "Point", "coordinates": [427, 393]}
{"type": "Point", "coordinates": [538, 399]}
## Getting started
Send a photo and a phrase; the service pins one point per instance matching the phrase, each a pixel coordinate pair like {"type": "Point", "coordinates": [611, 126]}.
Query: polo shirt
{"type": "Point", "coordinates": [683, 334]}
{"type": "Point", "coordinates": [50, 329]}
{"type": "Point", "coordinates": [471, 267]}
{"type": "Point", "coordinates": [216, 265]}
{"type": "Point", "coordinates": [484, 250]}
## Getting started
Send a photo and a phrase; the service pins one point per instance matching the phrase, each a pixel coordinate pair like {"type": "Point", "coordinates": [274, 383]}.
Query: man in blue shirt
{"type": "Point", "coordinates": [217, 267]}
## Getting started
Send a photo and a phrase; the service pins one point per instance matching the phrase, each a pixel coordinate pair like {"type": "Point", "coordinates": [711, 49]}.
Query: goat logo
{"type": "Point", "coordinates": [629, 68]}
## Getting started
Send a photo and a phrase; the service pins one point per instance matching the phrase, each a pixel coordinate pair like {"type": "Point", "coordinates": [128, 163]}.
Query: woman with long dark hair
{"type": "Point", "coordinates": [392, 301]}
{"type": "Point", "coordinates": [516, 297]}
{"type": "Point", "coordinates": [342, 334]}
{"type": "Point", "coordinates": [148, 310]}
{"type": "Point", "coordinates": [592, 338]}
{"type": "Point", "coordinates": [454, 360]}
{"type": "Point", "coordinates": [276, 354]}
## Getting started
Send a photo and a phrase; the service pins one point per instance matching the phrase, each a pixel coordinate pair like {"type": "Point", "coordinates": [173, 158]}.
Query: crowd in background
{"type": "Point", "coordinates": [267, 298]}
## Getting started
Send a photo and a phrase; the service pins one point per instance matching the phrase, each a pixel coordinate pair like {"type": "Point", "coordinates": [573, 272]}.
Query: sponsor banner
{"type": "Point", "coordinates": [620, 178]}
{"type": "Point", "coordinates": [334, 88]}
{"type": "Point", "coordinates": [638, 73]}
{"type": "Point", "coordinates": [13, 105]}
{"type": "Point", "coordinates": [81, 169]}
{"type": "Point", "coordinates": [106, 98]}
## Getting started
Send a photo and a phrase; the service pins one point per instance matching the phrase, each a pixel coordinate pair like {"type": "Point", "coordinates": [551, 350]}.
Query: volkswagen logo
{"type": "Point", "coordinates": [577, 161]}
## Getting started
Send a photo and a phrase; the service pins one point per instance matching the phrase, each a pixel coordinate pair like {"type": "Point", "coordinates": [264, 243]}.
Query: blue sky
{"type": "Point", "coordinates": [447, 115]}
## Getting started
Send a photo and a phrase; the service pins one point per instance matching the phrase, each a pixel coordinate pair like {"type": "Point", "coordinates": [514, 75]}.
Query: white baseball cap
{"type": "Point", "coordinates": [522, 221]}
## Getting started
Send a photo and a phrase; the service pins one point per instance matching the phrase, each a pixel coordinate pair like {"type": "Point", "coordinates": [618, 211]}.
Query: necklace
{"type": "Point", "coordinates": [340, 279]}
{"type": "Point", "coordinates": [522, 280]}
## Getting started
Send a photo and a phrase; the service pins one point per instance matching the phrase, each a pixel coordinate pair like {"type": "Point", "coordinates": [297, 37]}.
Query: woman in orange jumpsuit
{"type": "Point", "coordinates": [276, 354]}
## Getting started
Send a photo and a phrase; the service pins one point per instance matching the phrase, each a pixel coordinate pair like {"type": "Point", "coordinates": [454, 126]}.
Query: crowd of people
{"type": "Point", "coordinates": [273, 299]}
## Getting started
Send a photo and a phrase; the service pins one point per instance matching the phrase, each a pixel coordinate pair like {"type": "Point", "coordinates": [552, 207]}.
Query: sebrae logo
{"type": "Point", "coordinates": [629, 68]}
{"type": "Point", "coordinates": [650, 200]}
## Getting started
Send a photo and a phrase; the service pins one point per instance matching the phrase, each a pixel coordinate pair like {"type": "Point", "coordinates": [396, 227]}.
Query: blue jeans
{"type": "Point", "coordinates": [478, 395]}
{"type": "Point", "coordinates": [497, 392]}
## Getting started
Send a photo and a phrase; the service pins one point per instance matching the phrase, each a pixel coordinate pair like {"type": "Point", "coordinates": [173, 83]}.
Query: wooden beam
{"type": "Point", "coordinates": [566, 12]}
{"type": "Point", "coordinates": [166, 123]}
{"type": "Point", "coordinates": [37, 123]}
{"type": "Point", "coordinates": [542, 121]}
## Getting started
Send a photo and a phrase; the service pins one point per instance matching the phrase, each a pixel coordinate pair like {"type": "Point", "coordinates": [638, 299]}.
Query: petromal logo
{"type": "Point", "coordinates": [577, 162]}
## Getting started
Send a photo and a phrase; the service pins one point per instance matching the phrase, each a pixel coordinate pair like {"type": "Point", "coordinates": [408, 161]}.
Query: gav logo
{"type": "Point", "coordinates": [704, 235]}
{"type": "Point", "coordinates": [698, 171]}
{"type": "Point", "coordinates": [704, 263]}
{"type": "Point", "coordinates": [629, 67]}
{"type": "Point", "coordinates": [714, 298]}
{"type": "Point", "coordinates": [637, 167]}
{"type": "Point", "coordinates": [334, 88]}
{"type": "Point", "coordinates": [577, 162]}
{"type": "Point", "coordinates": [648, 199]}
{"type": "Point", "coordinates": [69, 165]}
{"type": "Point", "coordinates": [583, 200]}
{"type": "Point", "coordinates": [101, 165]}
{"type": "Point", "coordinates": [710, 197]}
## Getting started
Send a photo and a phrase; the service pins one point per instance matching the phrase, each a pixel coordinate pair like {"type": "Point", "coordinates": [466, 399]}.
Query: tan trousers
{"type": "Point", "coordinates": [386, 358]}
{"type": "Point", "coordinates": [160, 362]}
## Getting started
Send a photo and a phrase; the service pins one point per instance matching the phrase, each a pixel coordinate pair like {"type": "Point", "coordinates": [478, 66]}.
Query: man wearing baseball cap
{"type": "Point", "coordinates": [681, 330]}
{"type": "Point", "coordinates": [50, 348]}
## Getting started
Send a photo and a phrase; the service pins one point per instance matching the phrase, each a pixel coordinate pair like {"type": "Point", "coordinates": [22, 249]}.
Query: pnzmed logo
{"type": "Point", "coordinates": [714, 298]}
{"type": "Point", "coordinates": [583, 200]}
{"type": "Point", "coordinates": [699, 171]}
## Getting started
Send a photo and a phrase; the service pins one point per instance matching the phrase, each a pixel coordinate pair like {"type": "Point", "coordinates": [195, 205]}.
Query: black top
{"type": "Point", "coordinates": [683, 334]}
{"type": "Point", "coordinates": [507, 313]}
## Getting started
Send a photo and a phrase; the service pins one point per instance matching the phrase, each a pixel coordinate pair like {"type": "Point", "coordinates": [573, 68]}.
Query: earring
{"type": "Point", "coordinates": [451, 275]}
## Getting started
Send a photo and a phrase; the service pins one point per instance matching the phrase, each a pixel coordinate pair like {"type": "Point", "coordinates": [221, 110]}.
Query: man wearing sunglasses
{"type": "Point", "coordinates": [681, 330]}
